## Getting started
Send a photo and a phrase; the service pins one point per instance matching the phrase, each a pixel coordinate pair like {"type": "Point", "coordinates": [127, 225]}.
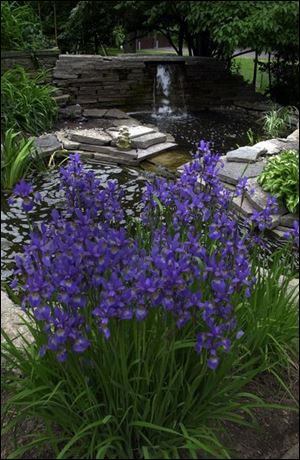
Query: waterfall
{"type": "Point", "coordinates": [168, 91]}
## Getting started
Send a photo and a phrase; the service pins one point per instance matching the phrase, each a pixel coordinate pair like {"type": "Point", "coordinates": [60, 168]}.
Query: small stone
{"type": "Point", "coordinates": [244, 154]}
{"type": "Point", "coordinates": [288, 219]}
{"type": "Point", "coordinates": [47, 144]}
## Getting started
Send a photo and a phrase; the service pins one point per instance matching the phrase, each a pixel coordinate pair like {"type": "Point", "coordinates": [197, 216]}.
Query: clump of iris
{"type": "Point", "coordinates": [186, 258]}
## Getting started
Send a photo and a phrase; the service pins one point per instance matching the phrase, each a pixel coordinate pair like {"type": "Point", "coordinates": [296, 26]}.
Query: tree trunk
{"type": "Point", "coordinates": [55, 22]}
{"type": "Point", "coordinates": [180, 41]}
{"type": "Point", "coordinates": [269, 70]}
{"type": "Point", "coordinates": [129, 44]}
{"type": "Point", "coordinates": [255, 70]}
{"type": "Point", "coordinates": [202, 44]}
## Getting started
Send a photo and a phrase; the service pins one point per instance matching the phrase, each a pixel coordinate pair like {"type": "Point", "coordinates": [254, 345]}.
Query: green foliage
{"type": "Point", "coordinates": [280, 177]}
{"type": "Point", "coordinates": [26, 104]}
{"type": "Point", "coordinates": [270, 317]}
{"type": "Point", "coordinates": [20, 28]}
{"type": "Point", "coordinates": [15, 158]}
{"type": "Point", "coordinates": [145, 393]}
{"type": "Point", "coordinates": [119, 35]}
{"type": "Point", "coordinates": [278, 122]}
{"type": "Point", "coordinates": [89, 27]}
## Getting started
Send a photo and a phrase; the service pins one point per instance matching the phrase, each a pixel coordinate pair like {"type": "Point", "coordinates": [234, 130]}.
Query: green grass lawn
{"type": "Point", "coordinates": [246, 66]}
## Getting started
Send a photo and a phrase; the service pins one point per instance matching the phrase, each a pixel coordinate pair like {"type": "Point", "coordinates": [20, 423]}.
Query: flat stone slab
{"type": "Point", "coordinates": [108, 150]}
{"type": "Point", "coordinates": [233, 171]}
{"type": "Point", "coordinates": [143, 142]}
{"type": "Point", "coordinates": [287, 220]}
{"type": "Point", "coordinates": [94, 113]}
{"type": "Point", "coordinates": [155, 149]}
{"type": "Point", "coordinates": [125, 122]}
{"type": "Point", "coordinates": [244, 154]}
{"type": "Point", "coordinates": [47, 144]}
{"type": "Point", "coordinates": [70, 145]}
{"type": "Point", "coordinates": [258, 197]}
{"type": "Point", "coordinates": [242, 205]}
{"type": "Point", "coordinates": [108, 157]}
{"type": "Point", "coordinates": [90, 136]}
{"type": "Point", "coordinates": [274, 146]}
{"type": "Point", "coordinates": [116, 113]}
{"type": "Point", "coordinates": [134, 131]}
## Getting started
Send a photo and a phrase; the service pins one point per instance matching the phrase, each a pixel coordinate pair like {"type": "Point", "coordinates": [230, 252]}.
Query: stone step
{"type": "Point", "coordinates": [108, 150]}
{"type": "Point", "coordinates": [155, 149]}
{"type": "Point", "coordinates": [134, 131]}
{"type": "Point", "coordinates": [120, 158]}
{"type": "Point", "coordinates": [143, 142]}
{"type": "Point", "coordinates": [90, 136]}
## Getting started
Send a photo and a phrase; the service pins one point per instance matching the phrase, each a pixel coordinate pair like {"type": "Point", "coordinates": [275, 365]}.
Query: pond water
{"type": "Point", "coordinates": [223, 129]}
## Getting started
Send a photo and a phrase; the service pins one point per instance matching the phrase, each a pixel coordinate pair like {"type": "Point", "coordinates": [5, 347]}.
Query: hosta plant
{"type": "Point", "coordinates": [280, 177]}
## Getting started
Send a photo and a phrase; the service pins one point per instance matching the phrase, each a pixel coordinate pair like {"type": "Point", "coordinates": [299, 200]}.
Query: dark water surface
{"type": "Point", "coordinates": [226, 130]}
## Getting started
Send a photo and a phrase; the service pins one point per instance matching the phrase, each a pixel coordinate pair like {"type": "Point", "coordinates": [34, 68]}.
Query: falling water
{"type": "Point", "coordinates": [168, 91]}
{"type": "Point", "coordinates": [162, 89]}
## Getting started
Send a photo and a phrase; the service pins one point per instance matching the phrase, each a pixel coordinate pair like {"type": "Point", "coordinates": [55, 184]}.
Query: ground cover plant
{"type": "Point", "coordinates": [144, 330]}
{"type": "Point", "coordinates": [27, 104]}
{"type": "Point", "coordinates": [281, 178]}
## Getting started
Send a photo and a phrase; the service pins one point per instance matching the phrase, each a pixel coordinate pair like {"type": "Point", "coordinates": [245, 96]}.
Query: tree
{"type": "Point", "coordinates": [90, 26]}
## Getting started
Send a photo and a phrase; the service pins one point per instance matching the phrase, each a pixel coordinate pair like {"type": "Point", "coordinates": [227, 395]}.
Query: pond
{"type": "Point", "coordinates": [223, 129]}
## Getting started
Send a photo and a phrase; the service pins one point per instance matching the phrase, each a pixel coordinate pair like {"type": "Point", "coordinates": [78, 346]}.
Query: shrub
{"type": "Point", "coordinates": [281, 178]}
{"type": "Point", "coordinates": [26, 105]}
{"type": "Point", "coordinates": [20, 27]}
{"type": "Point", "coordinates": [137, 351]}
